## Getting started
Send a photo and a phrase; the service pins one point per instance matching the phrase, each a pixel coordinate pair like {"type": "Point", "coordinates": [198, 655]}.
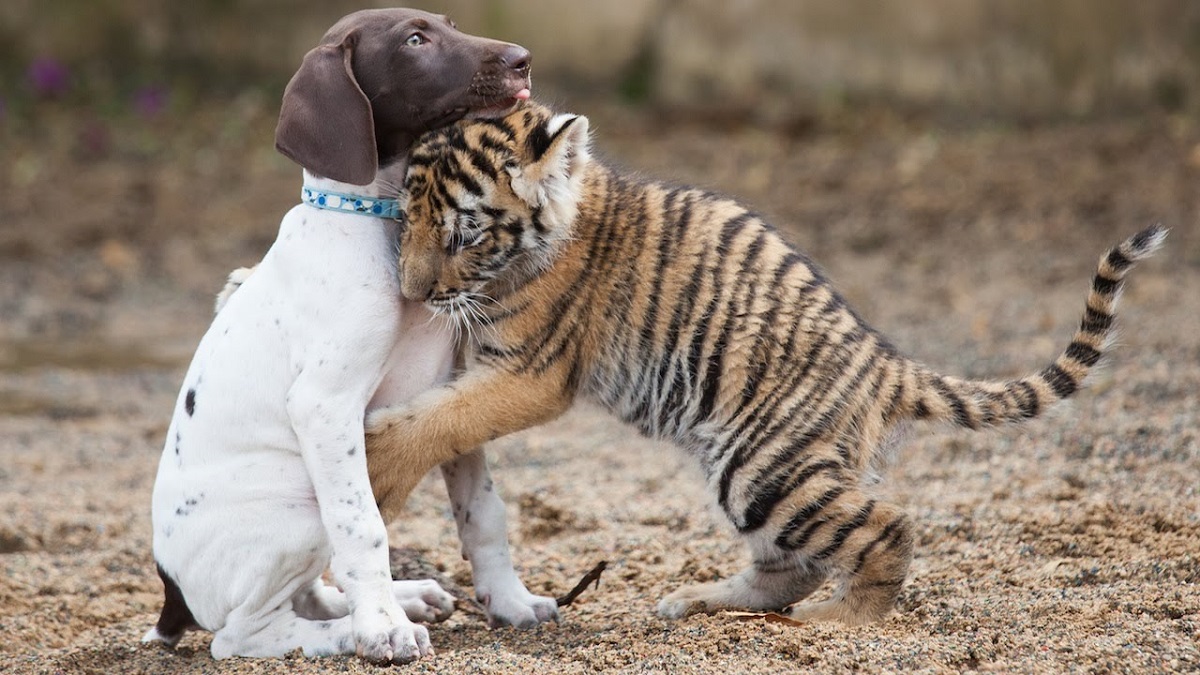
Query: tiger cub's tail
{"type": "Point", "coordinates": [976, 404]}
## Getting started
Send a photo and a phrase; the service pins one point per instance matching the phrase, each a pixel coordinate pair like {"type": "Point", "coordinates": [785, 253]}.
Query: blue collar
{"type": "Point", "coordinates": [372, 207]}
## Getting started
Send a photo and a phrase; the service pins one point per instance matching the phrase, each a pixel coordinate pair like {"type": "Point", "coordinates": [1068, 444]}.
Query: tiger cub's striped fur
{"type": "Point", "coordinates": [685, 314]}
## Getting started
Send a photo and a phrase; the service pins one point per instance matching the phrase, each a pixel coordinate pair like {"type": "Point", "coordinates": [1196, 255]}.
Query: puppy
{"type": "Point", "coordinates": [263, 484]}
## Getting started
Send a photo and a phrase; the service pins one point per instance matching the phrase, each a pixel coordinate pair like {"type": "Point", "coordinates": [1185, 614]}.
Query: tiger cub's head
{"type": "Point", "coordinates": [490, 202]}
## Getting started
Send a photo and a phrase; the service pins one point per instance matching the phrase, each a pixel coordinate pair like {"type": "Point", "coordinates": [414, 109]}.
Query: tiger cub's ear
{"type": "Point", "coordinates": [550, 174]}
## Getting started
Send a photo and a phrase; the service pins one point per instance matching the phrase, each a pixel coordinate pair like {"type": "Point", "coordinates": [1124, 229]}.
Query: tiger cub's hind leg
{"type": "Point", "coordinates": [868, 545]}
{"type": "Point", "coordinates": [764, 586]}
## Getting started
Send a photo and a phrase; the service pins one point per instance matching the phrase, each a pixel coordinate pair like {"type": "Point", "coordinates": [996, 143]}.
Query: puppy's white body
{"type": "Point", "coordinates": [263, 481]}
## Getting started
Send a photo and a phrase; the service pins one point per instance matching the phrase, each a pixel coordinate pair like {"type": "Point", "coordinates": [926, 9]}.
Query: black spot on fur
{"type": "Point", "coordinates": [176, 617]}
{"type": "Point", "coordinates": [189, 402]}
{"type": "Point", "coordinates": [351, 451]}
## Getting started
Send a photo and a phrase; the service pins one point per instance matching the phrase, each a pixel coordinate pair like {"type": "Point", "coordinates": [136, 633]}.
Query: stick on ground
{"type": "Point", "coordinates": [593, 575]}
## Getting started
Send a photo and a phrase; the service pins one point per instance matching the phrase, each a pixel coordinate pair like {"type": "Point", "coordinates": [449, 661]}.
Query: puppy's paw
{"type": "Point", "coordinates": [387, 636]}
{"type": "Point", "coordinates": [423, 600]}
{"type": "Point", "coordinates": [234, 282]}
{"type": "Point", "coordinates": [518, 608]}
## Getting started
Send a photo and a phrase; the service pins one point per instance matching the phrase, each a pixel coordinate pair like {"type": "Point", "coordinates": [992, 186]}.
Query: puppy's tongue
{"type": "Point", "coordinates": [522, 95]}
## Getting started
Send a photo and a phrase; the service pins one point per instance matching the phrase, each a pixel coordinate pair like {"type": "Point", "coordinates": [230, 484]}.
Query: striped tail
{"type": "Point", "coordinates": [976, 404]}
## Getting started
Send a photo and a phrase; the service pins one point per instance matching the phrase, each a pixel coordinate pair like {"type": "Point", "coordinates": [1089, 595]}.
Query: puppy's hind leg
{"type": "Point", "coordinates": [422, 600]}
{"type": "Point", "coordinates": [320, 602]}
{"type": "Point", "coordinates": [283, 632]}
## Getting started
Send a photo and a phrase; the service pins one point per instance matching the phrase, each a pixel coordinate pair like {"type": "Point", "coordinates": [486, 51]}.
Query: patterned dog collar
{"type": "Point", "coordinates": [372, 207]}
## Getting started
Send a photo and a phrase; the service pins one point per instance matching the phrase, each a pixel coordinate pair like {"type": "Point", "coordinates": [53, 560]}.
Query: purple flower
{"type": "Point", "coordinates": [150, 101]}
{"type": "Point", "coordinates": [48, 77]}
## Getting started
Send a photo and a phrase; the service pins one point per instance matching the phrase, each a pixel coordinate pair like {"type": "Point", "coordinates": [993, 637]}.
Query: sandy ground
{"type": "Point", "coordinates": [1069, 544]}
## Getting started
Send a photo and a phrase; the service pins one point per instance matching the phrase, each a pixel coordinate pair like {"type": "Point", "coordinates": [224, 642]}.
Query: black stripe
{"type": "Point", "coordinates": [686, 370]}
{"type": "Point", "coordinates": [443, 199]}
{"type": "Point", "coordinates": [1095, 321]}
{"type": "Point", "coordinates": [767, 495]}
{"type": "Point", "coordinates": [467, 181]}
{"type": "Point", "coordinates": [481, 163]}
{"type": "Point", "coordinates": [1083, 353]}
{"type": "Point", "coordinates": [538, 141]}
{"type": "Point", "coordinates": [497, 123]}
{"type": "Point", "coordinates": [486, 350]}
{"type": "Point", "coordinates": [1030, 406]}
{"type": "Point", "coordinates": [699, 337]}
{"type": "Point", "coordinates": [805, 514]}
{"type": "Point", "coordinates": [488, 142]}
{"type": "Point", "coordinates": [962, 416]}
{"type": "Point", "coordinates": [421, 159]}
{"type": "Point", "coordinates": [920, 410]}
{"type": "Point", "coordinates": [1118, 261]}
{"type": "Point", "coordinates": [730, 230]}
{"type": "Point", "coordinates": [886, 533]}
{"type": "Point", "coordinates": [843, 533]}
{"type": "Point", "coordinates": [1059, 381]}
{"type": "Point", "coordinates": [897, 395]}
{"type": "Point", "coordinates": [1103, 285]}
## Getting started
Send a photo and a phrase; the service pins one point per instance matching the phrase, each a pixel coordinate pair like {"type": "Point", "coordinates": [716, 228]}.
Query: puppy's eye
{"type": "Point", "coordinates": [415, 40]}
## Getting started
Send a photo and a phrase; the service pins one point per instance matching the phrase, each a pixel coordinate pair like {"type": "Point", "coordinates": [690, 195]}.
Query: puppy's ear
{"type": "Point", "coordinates": [325, 122]}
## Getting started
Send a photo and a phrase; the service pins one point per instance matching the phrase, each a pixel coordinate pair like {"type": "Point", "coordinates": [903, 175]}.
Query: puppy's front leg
{"type": "Point", "coordinates": [406, 442]}
{"type": "Point", "coordinates": [483, 531]}
{"type": "Point", "coordinates": [328, 422]}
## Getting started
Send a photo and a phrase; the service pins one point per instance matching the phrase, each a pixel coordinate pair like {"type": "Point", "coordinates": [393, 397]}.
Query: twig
{"type": "Point", "coordinates": [580, 587]}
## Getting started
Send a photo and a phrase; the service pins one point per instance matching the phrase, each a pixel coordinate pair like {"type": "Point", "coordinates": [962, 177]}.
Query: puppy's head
{"type": "Point", "coordinates": [382, 77]}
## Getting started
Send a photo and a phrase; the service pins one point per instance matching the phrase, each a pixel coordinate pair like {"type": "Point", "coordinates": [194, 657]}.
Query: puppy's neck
{"type": "Point", "coordinates": [388, 183]}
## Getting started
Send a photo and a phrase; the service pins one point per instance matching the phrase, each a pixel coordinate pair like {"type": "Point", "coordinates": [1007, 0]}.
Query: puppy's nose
{"type": "Point", "coordinates": [516, 58]}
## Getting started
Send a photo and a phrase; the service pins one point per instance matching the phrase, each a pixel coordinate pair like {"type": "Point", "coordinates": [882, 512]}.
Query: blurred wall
{"type": "Point", "coordinates": [767, 58]}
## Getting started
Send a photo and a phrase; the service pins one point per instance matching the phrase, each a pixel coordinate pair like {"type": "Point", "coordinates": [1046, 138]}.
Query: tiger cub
{"type": "Point", "coordinates": [685, 314]}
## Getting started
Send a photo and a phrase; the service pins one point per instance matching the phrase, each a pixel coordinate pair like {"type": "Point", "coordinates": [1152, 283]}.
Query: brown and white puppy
{"type": "Point", "coordinates": [263, 484]}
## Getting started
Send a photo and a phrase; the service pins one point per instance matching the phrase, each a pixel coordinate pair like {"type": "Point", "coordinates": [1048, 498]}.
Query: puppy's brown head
{"type": "Point", "coordinates": [382, 77]}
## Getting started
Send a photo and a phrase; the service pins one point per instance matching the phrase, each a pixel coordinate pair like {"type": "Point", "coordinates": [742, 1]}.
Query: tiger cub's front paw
{"type": "Point", "coordinates": [395, 462]}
